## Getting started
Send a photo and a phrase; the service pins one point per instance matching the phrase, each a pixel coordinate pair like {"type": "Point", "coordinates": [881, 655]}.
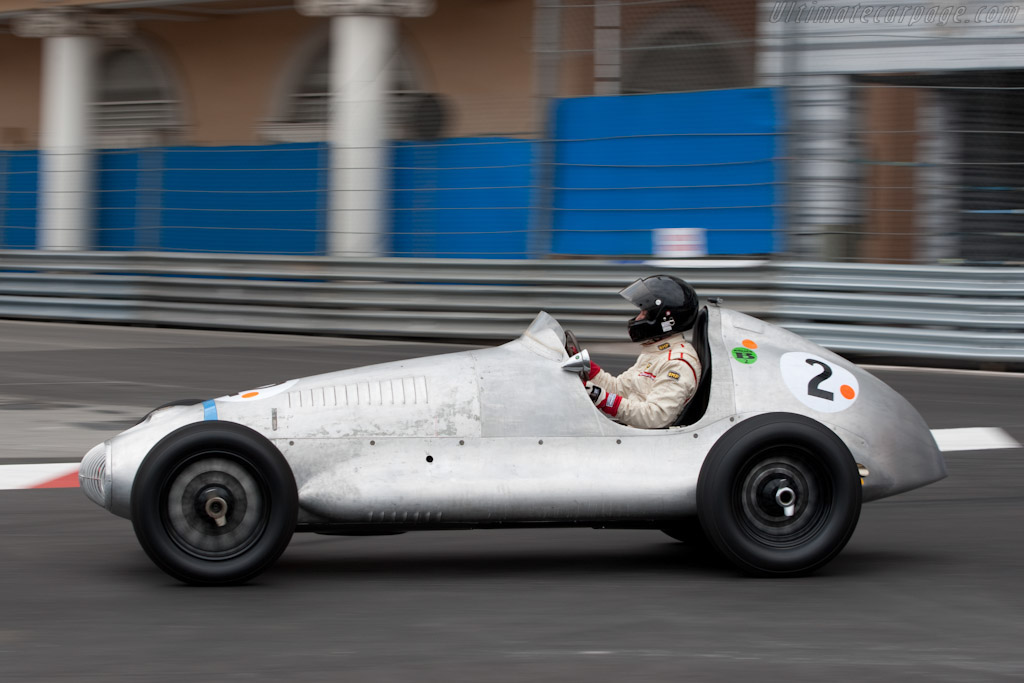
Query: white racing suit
{"type": "Point", "coordinates": [652, 393]}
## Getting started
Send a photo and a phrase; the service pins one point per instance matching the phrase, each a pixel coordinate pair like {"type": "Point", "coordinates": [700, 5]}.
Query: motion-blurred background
{"type": "Point", "coordinates": [851, 170]}
{"type": "Point", "coordinates": [439, 171]}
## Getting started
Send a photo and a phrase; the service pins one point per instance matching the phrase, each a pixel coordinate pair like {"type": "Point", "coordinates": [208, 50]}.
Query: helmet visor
{"type": "Point", "coordinates": [639, 295]}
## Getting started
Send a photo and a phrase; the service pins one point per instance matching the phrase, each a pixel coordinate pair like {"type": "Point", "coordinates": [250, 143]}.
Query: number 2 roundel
{"type": "Point", "coordinates": [819, 384]}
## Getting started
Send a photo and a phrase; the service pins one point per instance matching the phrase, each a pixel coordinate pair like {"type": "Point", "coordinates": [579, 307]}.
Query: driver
{"type": "Point", "coordinates": [652, 393]}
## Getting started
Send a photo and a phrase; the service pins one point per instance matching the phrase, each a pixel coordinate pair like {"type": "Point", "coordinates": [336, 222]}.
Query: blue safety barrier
{"type": "Point", "coordinates": [118, 224]}
{"type": "Point", "coordinates": [19, 192]}
{"type": "Point", "coordinates": [626, 166]}
{"type": "Point", "coordinates": [268, 199]}
{"type": "Point", "coordinates": [463, 197]}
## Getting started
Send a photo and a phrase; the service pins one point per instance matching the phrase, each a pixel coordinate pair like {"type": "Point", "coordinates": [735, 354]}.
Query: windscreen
{"type": "Point", "coordinates": [546, 331]}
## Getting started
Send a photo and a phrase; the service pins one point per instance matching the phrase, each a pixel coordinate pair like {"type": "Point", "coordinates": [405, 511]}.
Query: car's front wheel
{"type": "Point", "coordinates": [779, 495]}
{"type": "Point", "coordinates": [214, 503]}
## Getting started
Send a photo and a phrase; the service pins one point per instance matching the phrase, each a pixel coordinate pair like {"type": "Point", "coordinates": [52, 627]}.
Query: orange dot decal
{"type": "Point", "coordinates": [749, 343]}
{"type": "Point", "coordinates": [847, 391]}
{"type": "Point", "coordinates": [256, 393]}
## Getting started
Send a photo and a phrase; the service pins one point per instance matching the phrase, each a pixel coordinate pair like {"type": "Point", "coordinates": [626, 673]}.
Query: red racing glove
{"type": "Point", "coordinates": [594, 369]}
{"type": "Point", "coordinates": [606, 402]}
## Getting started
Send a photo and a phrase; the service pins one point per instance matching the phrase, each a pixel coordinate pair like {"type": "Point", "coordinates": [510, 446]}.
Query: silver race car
{"type": "Point", "coordinates": [768, 464]}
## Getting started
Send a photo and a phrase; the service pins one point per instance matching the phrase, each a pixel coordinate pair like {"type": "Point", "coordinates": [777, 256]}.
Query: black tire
{"type": "Point", "coordinates": [197, 466]}
{"type": "Point", "coordinates": [688, 531]}
{"type": "Point", "coordinates": [745, 476]}
{"type": "Point", "coordinates": [178, 402]}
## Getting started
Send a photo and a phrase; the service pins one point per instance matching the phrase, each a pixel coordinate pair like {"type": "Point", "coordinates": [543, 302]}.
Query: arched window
{"type": "Point", "coordinates": [682, 50]}
{"type": "Point", "coordinates": [414, 113]}
{"type": "Point", "coordinates": [135, 103]}
{"type": "Point", "coordinates": [310, 101]}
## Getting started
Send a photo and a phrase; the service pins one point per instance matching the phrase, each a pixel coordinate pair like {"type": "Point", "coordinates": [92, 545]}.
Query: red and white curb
{"type": "Point", "coordinates": [64, 475]}
{"type": "Point", "coordinates": [47, 475]}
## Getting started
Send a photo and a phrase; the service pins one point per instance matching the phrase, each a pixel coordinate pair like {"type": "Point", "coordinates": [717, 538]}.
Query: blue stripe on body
{"type": "Point", "coordinates": [209, 410]}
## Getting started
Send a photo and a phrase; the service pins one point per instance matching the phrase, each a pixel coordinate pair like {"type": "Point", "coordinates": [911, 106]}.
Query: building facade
{"type": "Point", "coordinates": [513, 127]}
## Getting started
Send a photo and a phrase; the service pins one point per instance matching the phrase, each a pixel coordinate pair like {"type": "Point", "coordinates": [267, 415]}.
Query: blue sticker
{"type": "Point", "coordinates": [209, 410]}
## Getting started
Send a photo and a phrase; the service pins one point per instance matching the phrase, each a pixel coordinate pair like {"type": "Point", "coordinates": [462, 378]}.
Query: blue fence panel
{"type": "Point", "coordinates": [117, 211]}
{"type": "Point", "coordinates": [266, 199]}
{"type": "Point", "coordinates": [462, 197]}
{"type": "Point", "coordinates": [19, 188]}
{"type": "Point", "coordinates": [626, 166]}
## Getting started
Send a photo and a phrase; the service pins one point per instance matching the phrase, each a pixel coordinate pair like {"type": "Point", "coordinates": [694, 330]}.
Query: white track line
{"type": "Point", "coordinates": [36, 475]}
{"type": "Point", "coordinates": [973, 439]}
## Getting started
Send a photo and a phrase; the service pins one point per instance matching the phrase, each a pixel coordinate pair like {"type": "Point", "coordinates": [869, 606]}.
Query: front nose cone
{"type": "Point", "coordinates": [94, 474]}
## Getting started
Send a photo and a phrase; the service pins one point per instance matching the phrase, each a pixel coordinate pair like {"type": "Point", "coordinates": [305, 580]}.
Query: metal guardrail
{"type": "Point", "coordinates": [968, 315]}
{"type": "Point", "coordinates": [961, 314]}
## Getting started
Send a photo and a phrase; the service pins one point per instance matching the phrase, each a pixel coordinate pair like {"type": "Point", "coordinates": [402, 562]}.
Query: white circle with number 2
{"type": "Point", "coordinates": [819, 384]}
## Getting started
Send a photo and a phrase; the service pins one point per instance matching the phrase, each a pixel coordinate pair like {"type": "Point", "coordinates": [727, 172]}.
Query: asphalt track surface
{"type": "Point", "coordinates": [931, 588]}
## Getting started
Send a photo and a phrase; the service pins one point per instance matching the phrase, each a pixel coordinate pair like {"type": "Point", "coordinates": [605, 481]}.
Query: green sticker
{"type": "Point", "coordinates": [744, 355]}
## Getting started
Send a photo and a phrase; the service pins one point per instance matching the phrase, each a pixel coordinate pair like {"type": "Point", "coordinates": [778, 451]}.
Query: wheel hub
{"type": "Point", "coordinates": [781, 497]}
{"type": "Point", "coordinates": [213, 502]}
{"type": "Point", "coordinates": [215, 508]}
{"type": "Point", "coordinates": [785, 497]}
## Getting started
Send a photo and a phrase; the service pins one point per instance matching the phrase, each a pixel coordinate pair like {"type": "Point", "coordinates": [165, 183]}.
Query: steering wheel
{"type": "Point", "coordinates": [572, 347]}
{"type": "Point", "coordinates": [572, 344]}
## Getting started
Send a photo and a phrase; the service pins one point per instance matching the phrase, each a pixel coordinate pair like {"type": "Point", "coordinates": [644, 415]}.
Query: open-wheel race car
{"type": "Point", "coordinates": [768, 464]}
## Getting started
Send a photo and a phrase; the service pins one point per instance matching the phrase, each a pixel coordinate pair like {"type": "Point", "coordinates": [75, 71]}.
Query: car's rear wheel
{"type": "Point", "coordinates": [779, 495]}
{"type": "Point", "coordinates": [214, 503]}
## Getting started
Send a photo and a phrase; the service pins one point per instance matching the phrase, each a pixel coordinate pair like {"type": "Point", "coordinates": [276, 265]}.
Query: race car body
{"type": "Point", "coordinates": [774, 454]}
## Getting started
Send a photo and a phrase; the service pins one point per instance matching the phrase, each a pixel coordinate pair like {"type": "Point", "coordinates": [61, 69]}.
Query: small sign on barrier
{"type": "Point", "coordinates": [680, 242]}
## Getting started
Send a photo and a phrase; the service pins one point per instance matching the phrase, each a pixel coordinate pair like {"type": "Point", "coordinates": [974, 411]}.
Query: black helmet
{"type": "Point", "coordinates": [667, 305]}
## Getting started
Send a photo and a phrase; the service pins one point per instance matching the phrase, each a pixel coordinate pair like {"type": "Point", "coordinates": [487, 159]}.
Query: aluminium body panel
{"type": "Point", "coordinates": [785, 372]}
{"type": "Point", "coordinates": [504, 435]}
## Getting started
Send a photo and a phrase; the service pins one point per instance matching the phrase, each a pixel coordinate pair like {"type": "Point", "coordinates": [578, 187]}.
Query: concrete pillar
{"type": "Point", "coordinates": [71, 41]}
{"type": "Point", "coordinates": [607, 46]}
{"type": "Point", "coordinates": [822, 191]}
{"type": "Point", "coordinates": [937, 201]}
{"type": "Point", "coordinates": [66, 161]}
{"type": "Point", "coordinates": [364, 37]}
{"type": "Point", "coordinates": [547, 68]}
{"type": "Point", "coordinates": [361, 47]}
{"type": "Point", "coordinates": [822, 168]}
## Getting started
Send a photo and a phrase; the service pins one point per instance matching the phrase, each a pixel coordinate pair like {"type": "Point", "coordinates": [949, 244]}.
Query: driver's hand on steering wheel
{"type": "Point", "coordinates": [585, 378]}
